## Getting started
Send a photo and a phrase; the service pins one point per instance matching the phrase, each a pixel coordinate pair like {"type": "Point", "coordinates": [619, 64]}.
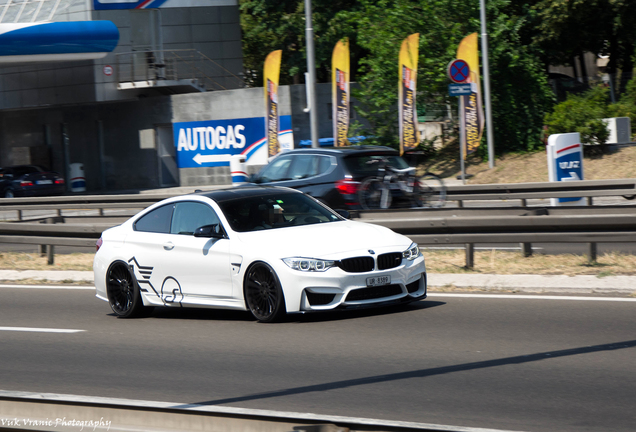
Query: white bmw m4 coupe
{"type": "Point", "coordinates": [268, 250]}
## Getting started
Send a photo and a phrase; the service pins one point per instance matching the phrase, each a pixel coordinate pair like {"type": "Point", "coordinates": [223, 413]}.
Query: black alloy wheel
{"type": "Point", "coordinates": [263, 293]}
{"type": "Point", "coordinates": [123, 292]}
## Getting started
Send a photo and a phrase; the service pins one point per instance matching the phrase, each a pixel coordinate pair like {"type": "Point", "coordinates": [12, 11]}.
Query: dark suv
{"type": "Point", "coordinates": [329, 174]}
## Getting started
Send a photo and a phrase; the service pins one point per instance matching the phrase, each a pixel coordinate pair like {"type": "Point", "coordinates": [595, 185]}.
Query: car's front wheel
{"type": "Point", "coordinates": [123, 291]}
{"type": "Point", "coordinates": [9, 193]}
{"type": "Point", "coordinates": [263, 293]}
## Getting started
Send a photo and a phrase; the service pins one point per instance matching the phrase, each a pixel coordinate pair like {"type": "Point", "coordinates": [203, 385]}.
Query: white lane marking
{"type": "Point", "coordinates": [58, 287]}
{"type": "Point", "coordinates": [40, 330]}
{"type": "Point", "coordinates": [533, 297]}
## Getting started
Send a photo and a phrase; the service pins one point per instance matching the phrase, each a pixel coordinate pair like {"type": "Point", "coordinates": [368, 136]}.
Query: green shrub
{"type": "Point", "coordinates": [583, 114]}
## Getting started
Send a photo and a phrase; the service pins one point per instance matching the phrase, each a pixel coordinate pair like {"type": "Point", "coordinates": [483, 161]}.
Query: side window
{"type": "Point", "coordinates": [190, 215]}
{"type": "Point", "coordinates": [157, 221]}
{"type": "Point", "coordinates": [324, 163]}
{"type": "Point", "coordinates": [303, 166]}
{"type": "Point", "coordinates": [276, 170]}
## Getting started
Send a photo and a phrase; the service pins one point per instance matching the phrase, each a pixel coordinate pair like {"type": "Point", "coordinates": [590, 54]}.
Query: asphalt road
{"type": "Point", "coordinates": [514, 364]}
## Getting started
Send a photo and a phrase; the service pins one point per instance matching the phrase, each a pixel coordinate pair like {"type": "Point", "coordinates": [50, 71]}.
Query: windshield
{"type": "Point", "coordinates": [275, 210]}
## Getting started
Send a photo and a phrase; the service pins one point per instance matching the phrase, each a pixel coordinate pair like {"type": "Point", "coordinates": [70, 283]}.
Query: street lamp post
{"type": "Point", "coordinates": [484, 50]}
{"type": "Point", "coordinates": [311, 69]}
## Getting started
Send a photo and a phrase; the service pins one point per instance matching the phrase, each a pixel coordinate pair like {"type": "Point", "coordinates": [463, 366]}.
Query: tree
{"type": "Point", "coordinates": [568, 28]}
{"type": "Point", "coordinates": [520, 91]}
{"type": "Point", "coordinates": [376, 28]}
{"type": "Point", "coordinates": [270, 25]}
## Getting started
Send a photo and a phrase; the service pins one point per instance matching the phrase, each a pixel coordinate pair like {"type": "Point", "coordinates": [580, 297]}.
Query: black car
{"type": "Point", "coordinates": [29, 181]}
{"type": "Point", "coordinates": [329, 174]}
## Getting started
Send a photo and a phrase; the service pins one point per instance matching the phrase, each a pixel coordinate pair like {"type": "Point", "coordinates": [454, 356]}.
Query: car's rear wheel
{"type": "Point", "coordinates": [9, 193]}
{"type": "Point", "coordinates": [263, 293]}
{"type": "Point", "coordinates": [123, 291]}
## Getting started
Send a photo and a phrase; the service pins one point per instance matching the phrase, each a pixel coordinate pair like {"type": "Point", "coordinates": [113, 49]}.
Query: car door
{"type": "Point", "coordinates": [172, 264]}
{"type": "Point", "coordinates": [197, 268]}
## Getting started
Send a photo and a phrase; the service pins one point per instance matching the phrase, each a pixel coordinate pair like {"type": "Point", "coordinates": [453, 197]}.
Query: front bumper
{"type": "Point", "coordinates": [336, 289]}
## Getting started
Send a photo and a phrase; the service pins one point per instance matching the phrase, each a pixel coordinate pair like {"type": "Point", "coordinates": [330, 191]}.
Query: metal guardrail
{"type": "Point", "coordinates": [490, 192]}
{"type": "Point", "coordinates": [584, 224]}
{"type": "Point", "coordinates": [525, 191]}
{"type": "Point", "coordinates": [430, 230]}
{"type": "Point", "coordinates": [40, 412]}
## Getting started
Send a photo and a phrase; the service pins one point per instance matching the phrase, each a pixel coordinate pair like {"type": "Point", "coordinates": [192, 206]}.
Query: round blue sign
{"type": "Point", "coordinates": [458, 71]}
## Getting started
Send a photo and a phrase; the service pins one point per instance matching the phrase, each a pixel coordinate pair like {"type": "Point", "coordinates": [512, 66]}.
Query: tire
{"type": "Point", "coordinates": [431, 191]}
{"type": "Point", "coordinates": [123, 292]}
{"type": "Point", "coordinates": [374, 195]}
{"type": "Point", "coordinates": [263, 293]}
{"type": "Point", "coordinates": [9, 193]}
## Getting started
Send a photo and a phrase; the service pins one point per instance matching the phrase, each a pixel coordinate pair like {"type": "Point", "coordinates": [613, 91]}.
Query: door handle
{"type": "Point", "coordinates": [168, 246]}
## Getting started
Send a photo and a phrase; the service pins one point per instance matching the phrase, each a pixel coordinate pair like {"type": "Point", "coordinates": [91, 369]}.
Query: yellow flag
{"type": "Point", "coordinates": [470, 105]}
{"type": "Point", "coordinates": [340, 92]}
{"type": "Point", "coordinates": [409, 134]}
{"type": "Point", "coordinates": [271, 75]}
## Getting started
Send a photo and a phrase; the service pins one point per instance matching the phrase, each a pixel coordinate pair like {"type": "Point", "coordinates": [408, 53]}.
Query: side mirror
{"type": "Point", "coordinates": [254, 178]}
{"type": "Point", "coordinates": [344, 213]}
{"type": "Point", "coordinates": [210, 231]}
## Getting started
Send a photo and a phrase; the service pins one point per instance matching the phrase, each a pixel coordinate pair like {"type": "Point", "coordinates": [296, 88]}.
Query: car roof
{"type": "Point", "coordinates": [346, 151]}
{"type": "Point", "coordinates": [247, 191]}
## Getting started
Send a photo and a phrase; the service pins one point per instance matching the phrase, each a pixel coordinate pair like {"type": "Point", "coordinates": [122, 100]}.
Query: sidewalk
{"type": "Point", "coordinates": [615, 285]}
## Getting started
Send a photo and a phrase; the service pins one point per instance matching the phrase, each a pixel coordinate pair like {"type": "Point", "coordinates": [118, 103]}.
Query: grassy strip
{"type": "Point", "coordinates": [509, 262]}
{"type": "Point", "coordinates": [437, 261]}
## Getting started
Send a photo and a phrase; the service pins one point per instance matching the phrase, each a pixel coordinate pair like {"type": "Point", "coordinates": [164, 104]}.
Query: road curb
{"type": "Point", "coordinates": [588, 284]}
{"type": "Point", "coordinates": [582, 284]}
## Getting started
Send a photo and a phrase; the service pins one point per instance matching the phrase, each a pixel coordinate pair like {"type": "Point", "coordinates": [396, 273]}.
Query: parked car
{"type": "Point", "coordinates": [29, 181]}
{"type": "Point", "coordinates": [267, 250]}
{"type": "Point", "coordinates": [331, 175]}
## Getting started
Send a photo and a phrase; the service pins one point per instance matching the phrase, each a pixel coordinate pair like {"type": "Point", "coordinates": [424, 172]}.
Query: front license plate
{"type": "Point", "coordinates": [378, 281]}
{"type": "Point", "coordinates": [44, 182]}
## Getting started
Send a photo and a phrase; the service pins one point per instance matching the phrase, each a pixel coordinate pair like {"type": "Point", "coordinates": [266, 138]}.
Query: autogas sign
{"type": "Point", "coordinates": [565, 161]}
{"type": "Point", "coordinates": [213, 142]}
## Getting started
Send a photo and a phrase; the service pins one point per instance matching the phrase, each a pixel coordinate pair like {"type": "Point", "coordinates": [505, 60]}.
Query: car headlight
{"type": "Point", "coordinates": [309, 264]}
{"type": "Point", "coordinates": [412, 252]}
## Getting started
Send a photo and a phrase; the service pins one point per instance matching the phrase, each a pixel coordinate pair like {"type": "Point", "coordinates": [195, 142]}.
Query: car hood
{"type": "Point", "coordinates": [333, 240]}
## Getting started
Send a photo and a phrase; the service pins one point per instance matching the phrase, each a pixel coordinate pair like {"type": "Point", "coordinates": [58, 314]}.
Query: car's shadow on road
{"type": "Point", "coordinates": [339, 315]}
{"type": "Point", "coordinates": [169, 313]}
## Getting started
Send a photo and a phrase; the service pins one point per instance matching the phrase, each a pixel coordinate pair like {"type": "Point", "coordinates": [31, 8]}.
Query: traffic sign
{"type": "Point", "coordinates": [460, 89]}
{"type": "Point", "coordinates": [458, 71]}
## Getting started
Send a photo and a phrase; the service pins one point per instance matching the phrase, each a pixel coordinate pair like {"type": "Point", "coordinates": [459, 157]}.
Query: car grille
{"type": "Point", "coordinates": [357, 264]}
{"type": "Point", "coordinates": [317, 299]}
{"type": "Point", "coordinates": [389, 260]}
{"type": "Point", "coordinates": [374, 292]}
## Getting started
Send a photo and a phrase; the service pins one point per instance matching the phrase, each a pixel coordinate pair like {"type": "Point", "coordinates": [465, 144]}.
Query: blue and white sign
{"type": "Point", "coordinates": [565, 163]}
{"type": "Point", "coordinates": [461, 89]}
{"type": "Point", "coordinates": [212, 143]}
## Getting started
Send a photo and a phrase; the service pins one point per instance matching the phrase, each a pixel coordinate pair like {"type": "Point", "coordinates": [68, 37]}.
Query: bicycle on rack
{"type": "Point", "coordinates": [378, 192]}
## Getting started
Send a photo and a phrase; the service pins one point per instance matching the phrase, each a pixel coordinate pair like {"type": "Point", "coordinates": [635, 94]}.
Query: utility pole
{"type": "Point", "coordinates": [484, 50]}
{"type": "Point", "coordinates": [311, 69]}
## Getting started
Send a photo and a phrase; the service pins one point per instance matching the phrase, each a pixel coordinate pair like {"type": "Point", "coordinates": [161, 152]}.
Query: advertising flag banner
{"type": "Point", "coordinates": [270, 82]}
{"type": "Point", "coordinates": [340, 92]}
{"type": "Point", "coordinates": [409, 134]}
{"type": "Point", "coordinates": [470, 105]}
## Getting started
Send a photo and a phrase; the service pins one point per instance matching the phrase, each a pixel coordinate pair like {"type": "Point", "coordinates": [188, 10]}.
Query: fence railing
{"type": "Point", "coordinates": [161, 66]}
